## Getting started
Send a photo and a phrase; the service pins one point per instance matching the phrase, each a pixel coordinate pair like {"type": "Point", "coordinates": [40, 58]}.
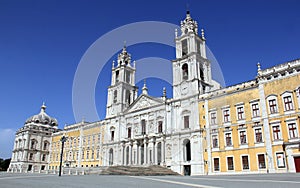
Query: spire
{"type": "Point", "coordinates": [188, 24]}
{"type": "Point", "coordinates": [124, 47]}
{"type": "Point", "coordinates": [145, 89]}
{"type": "Point", "coordinates": [43, 107]}
{"type": "Point", "coordinates": [202, 34]}
{"type": "Point", "coordinates": [164, 94]}
{"type": "Point", "coordinates": [258, 69]}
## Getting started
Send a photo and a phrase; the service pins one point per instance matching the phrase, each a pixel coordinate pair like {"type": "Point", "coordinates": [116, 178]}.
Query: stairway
{"type": "Point", "coordinates": [154, 170]}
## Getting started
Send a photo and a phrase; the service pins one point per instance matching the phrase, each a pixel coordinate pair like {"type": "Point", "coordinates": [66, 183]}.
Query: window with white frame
{"type": "Point", "coordinates": [243, 137]}
{"type": "Point", "coordinates": [215, 142]}
{"type": "Point", "coordinates": [258, 135]}
{"type": "Point", "coordinates": [288, 103]}
{"type": "Point", "coordinates": [255, 110]}
{"type": "Point", "coordinates": [276, 132]}
{"type": "Point", "coordinates": [240, 112]}
{"type": "Point", "coordinates": [261, 161]}
{"type": "Point", "coordinates": [213, 118]}
{"type": "Point", "coordinates": [230, 165]}
{"type": "Point", "coordinates": [280, 159]}
{"type": "Point", "coordinates": [245, 162]}
{"type": "Point", "coordinates": [273, 106]}
{"type": "Point", "coordinates": [298, 96]}
{"type": "Point", "coordinates": [186, 120]}
{"type": "Point", "coordinates": [228, 140]}
{"type": "Point", "coordinates": [216, 164]}
{"type": "Point", "coordinates": [226, 115]}
{"type": "Point", "coordinates": [293, 132]}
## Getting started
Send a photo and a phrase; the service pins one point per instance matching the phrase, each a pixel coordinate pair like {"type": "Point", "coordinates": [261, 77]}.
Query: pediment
{"type": "Point", "coordinates": [143, 102]}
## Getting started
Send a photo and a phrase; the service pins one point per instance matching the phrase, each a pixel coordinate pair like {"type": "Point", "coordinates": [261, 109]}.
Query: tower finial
{"type": "Point", "coordinates": [258, 69]}
{"type": "Point", "coordinates": [187, 9]}
{"type": "Point", "coordinates": [43, 107]}
{"type": "Point", "coordinates": [202, 34]}
{"type": "Point", "coordinates": [145, 89]}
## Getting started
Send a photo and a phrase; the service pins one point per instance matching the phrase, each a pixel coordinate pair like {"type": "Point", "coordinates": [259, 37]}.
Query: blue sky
{"type": "Point", "coordinates": [42, 43]}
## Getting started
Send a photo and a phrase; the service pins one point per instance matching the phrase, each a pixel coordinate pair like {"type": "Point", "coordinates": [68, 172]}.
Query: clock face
{"type": "Point", "coordinates": [112, 111]}
{"type": "Point", "coordinates": [184, 89]}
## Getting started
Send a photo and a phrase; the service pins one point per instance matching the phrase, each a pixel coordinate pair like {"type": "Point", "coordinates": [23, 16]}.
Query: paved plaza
{"type": "Point", "coordinates": [90, 181]}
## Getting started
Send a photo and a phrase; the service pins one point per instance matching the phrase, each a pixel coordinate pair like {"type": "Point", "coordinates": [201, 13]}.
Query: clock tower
{"type": "Point", "coordinates": [122, 91]}
{"type": "Point", "coordinates": [191, 68]}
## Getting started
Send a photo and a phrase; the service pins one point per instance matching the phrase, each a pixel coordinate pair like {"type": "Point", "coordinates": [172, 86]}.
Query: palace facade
{"type": "Point", "coordinates": [204, 129]}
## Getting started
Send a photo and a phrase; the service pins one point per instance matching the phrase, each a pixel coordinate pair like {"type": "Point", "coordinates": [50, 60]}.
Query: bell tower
{"type": "Point", "coordinates": [122, 91]}
{"type": "Point", "coordinates": [191, 68]}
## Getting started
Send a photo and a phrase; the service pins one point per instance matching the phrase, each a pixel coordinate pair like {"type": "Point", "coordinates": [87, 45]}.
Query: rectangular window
{"type": "Point", "coordinates": [160, 127]}
{"type": "Point", "coordinates": [216, 164]}
{"type": "Point", "coordinates": [280, 160]}
{"type": "Point", "coordinates": [255, 110]}
{"type": "Point", "coordinates": [258, 135]}
{"type": "Point", "coordinates": [243, 137]}
{"type": "Point", "coordinates": [143, 127]}
{"type": "Point", "coordinates": [288, 103]}
{"type": "Point", "coordinates": [261, 161]}
{"type": "Point", "coordinates": [273, 106]}
{"type": "Point", "coordinates": [215, 141]}
{"type": "Point", "coordinates": [44, 157]}
{"type": "Point", "coordinates": [228, 139]}
{"type": "Point", "coordinates": [240, 112]}
{"type": "Point", "coordinates": [230, 163]}
{"type": "Point", "coordinates": [127, 76]}
{"type": "Point", "coordinates": [292, 130]}
{"type": "Point", "coordinates": [87, 154]}
{"type": "Point", "coordinates": [30, 156]}
{"type": "Point", "coordinates": [129, 132]}
{"type": "Point", "coordinates": [213, 118]}
{"type": "Point", "coordinates": [186, 122]}
{"type": "Point", "coordinates": [98, 153]}
{"type": "Point", "coordinates": [226, 116]}
{"type": "Point", "coordinates": [245, 162]}
{"type": "Point", "coordinates": [276, 132]}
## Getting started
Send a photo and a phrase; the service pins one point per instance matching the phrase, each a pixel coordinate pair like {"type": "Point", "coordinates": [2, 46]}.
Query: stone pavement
{"type": "Point", "coordinates": [104, 181]}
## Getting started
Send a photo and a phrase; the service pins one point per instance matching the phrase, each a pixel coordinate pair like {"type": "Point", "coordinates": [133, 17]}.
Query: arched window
{"type": "Point", "coordinates": [128, 96]}
{"type": "Point", "coordinates": [33, 144]}
{"type": "Point", "coordinates": [185, 72]}
{"type": "Point", "coordinates": [115, 96]}
{"type": "Point", "coordinates": [201, 74]}
{"type": "Point", "coordinates": [117, 76]}
{"type": "Point", "coordinates": [184, 47]}
{"type": "Point", "coordinates": [46, 145]}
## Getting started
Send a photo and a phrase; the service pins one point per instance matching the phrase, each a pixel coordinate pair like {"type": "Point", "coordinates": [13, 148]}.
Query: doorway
{"type": "Point", "coordinates": [297, 163]}
{"type": "Point", "coordinates": [187, 170]}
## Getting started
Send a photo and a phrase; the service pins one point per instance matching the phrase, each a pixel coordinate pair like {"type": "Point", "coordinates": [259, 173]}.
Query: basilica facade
{"type": "Point", "coordinates": [202, 129]}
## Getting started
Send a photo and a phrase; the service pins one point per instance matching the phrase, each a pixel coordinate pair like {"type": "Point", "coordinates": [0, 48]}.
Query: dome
{"type": "Point", "coordinates": [42, 118]}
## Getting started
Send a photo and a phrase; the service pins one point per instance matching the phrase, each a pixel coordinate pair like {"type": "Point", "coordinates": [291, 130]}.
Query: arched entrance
{"type": "Point", "coordinates": [187, 150]}
{"type": "Point", "coordinates": [159, 153]}
{"type": "Point", "coordinates": [110, 157]}
{"type": "Point", "coordinates": [187, 156]}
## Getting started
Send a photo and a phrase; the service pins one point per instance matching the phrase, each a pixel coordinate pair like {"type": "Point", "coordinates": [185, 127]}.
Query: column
{"type": "Point", "coordinates": [130, 154]}
{"type": "Point", "coordinates": [150, 154]}
{"type": "Point", "coordinates": [136, 152]}
{"type": "Point", "coordinates": [145, 151]}
{"type": "Point", "coordinates": [163, 151]}
{"type": "Point", "coordinates": [264, 112]}
{"type": "Point", "coordinates": [122, 154]}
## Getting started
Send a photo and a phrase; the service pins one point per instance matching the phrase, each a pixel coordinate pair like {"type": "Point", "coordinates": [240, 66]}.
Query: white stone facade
{"type": "Point", "coordinates": [32, 144]}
